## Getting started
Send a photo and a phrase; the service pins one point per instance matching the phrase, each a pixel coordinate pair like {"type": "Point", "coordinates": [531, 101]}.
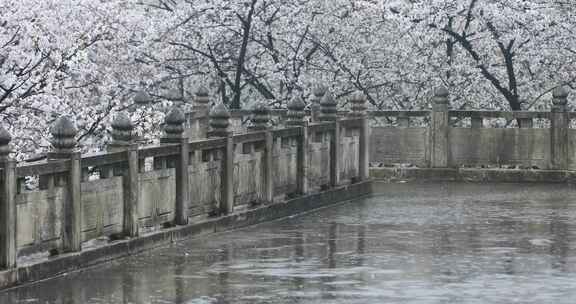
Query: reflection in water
{"type": "Point", "coordinates": [417, 244]}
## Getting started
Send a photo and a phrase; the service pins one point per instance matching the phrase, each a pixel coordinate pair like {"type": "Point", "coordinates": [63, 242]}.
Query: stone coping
{"type": "Point", "coordinates": [65, 263]}
{"type": "Point", "coordinates": [473, 175]}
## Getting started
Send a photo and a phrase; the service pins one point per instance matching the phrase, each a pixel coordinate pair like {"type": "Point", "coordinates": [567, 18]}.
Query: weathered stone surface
{"type": "Point", "coordinates": [174, 126]}
{"type": "Point", "coordinates": [358, 104]}
{"type": "Point", "coordinates": [404, 146]}
{"type": "Point", "coordinates": [439, 148]}
{"type": "Point", "coordinates": [63, 135]}
{"type": "Point", "coordinates": [40, 218]}
{"type": "Point", "coordinates": [524, 147]}
{"type": "Point", "coordinates": [392, 175]}
{"type": "Point", "coordinates": [102, 212]}
{"type": "Point", "coordinates": [295, 115]}
{"type": "Point", "coordinates": [219, 121]}
{"type": "Point", "coordinates": [157, 197]}
{"type": "Point", "coordinates": [5, 139]}
{"type": "Point", "coordinates": [559, 99]}
{"type": "Point", "coordinates": [204, 184]}
{"type": "Point", "coordinates": [260, 117]}
{"type": "Point", "coordinates": [441, 96]}
{"type": "Point", "coordinates": [122, 131]}
{"type": "Point", "coordinates": [317, 93]}
{"type": "Point", "coordinates": [328, 108]}
{"type": "Point", "coordinates": [202, 99]}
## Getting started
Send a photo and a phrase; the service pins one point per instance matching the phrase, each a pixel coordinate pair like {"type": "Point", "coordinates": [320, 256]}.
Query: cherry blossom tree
{"type": "Point", "coordinates": [88, 59]}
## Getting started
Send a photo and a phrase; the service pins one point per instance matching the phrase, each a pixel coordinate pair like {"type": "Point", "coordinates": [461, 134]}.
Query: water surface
{"type": "Point", "coordinates": [431, 243]}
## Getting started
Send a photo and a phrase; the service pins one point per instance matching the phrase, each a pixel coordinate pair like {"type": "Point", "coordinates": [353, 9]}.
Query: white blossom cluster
{"type": "Point", "coordinates": [88, 58]}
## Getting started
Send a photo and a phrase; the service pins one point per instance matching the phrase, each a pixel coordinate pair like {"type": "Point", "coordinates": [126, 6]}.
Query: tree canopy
{"type": "Point", "coordinates": [88, 59]}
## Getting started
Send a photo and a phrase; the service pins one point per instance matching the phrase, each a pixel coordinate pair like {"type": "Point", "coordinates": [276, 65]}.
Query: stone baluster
{"type": "Point", "coordinates": [122, 133]}
{"type": "Point", "coordinates": [5, 139]}
{"type": "Point", "coordinates": [202, 100]}
{"type": "Point", "coordinates": [439, 147]}
{"type": "Point", "coordinates": [295, 115]}
{"type": "Point", "coordinates": [317, 93]}
{"type": "Point", "coordinates": [358, 104]}
{"type": "Point", "coordinates": [123, 139]}
{"type": "Point", "coordinates": [8, 215]}
{"type": "Point", "coordinates": [65, 147]}
{"type": "Point", "coordinates": [560, 123]}
{"type": "Point", "coordinates": [201, 113]}
{"type": "Point", "coordinates": [174, 134]}
{"type": "Point", "coordinates": [358, 101]}
{"type": "Point", "coordinates": [329, 113]}
{"type": "Point", "coordinates": [63, 138]}
{"type": "Point", "coordinates": [219, 125]}
{"type": "Point", "coordinates": [219, 121]}
{"type": "Point", "coordinates": [260, 117]}
{"type": "Point", "coordinates": [173, 126]}
{"type": "Point", "coordinates": [328, 108]}
{"type": "Point", "coordinates": [260, 121]}
{"type": "Point", "coordinates": [560, 100]}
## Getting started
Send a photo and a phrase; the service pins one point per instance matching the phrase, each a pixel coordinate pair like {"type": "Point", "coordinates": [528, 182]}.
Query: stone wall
{"type": "Point", "coordinates": [447, 142]}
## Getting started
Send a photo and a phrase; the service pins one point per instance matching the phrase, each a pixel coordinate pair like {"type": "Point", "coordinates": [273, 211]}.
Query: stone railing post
{"type": "Point", "coordinates": [123, 140]}
{"type": "Point", "coordinates": [329, 113]}
{"type": "Point", "coordinates": [295, 117]}
{"type": "Point", "coordinates": [559, 129]}
{"type": "Point", "coordinates": [122, 133]}
{"type": "Point", "coordinates": [131, 192]}
{"type": "Point", "coordinates": [219, 124]}
{"type": "Point", "coordinates": [202, 111]}
{"type": "Point", "coordinates": [64, 147]}
{"type": "Point", "coordinates": [8, 214]}
{"type": "Point", "coordinates": [358, 101]}
{"type": "Point", "coordinates": [219, 121]}
{"type": "Point", "coordinates": [328, 108]}
{"type": "Point", "coordinates": [295, 114]}
{"type": "Point", "coordinates": [358, 105]}
{"type": "Point", "coordinates": [261, 122]}
{"type": "Point", "coordinates": [439, 129]}
{"type": "Point", "coordinates": [202, 100]}
{"type": "Point", "coordinates": [174, 134]}
{"type": "Point", "coordinates": [317, 94]}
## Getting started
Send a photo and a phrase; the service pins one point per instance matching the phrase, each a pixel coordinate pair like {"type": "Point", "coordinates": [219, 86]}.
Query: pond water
{"type": "Point", "coordinates": [414, 243]}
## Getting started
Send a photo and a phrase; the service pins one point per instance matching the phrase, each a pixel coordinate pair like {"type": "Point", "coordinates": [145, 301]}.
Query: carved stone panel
{"type": "Point", "coordinates": [524, 147]}
{"type": "Point", "coordinates": [391, 145]}
{"type": "Point", "coordinates": [205, 180]}
{"type": "Point", "coordinates": [319, 161]}
{"type": "Point", "coordinates": [350, 154]}
{"type": "Point", "coordinates": [284, 163]}
{"type": "Point", "coordinates": [40, 218]}
{"type": "Point", "coordinates": [102, 207]}
{"type": "Point", "coordinates": [157, 197]}
{"type": "Point", "coordinates": [572, 149]}
{"type": "Point", "coordinates": [247, 178]}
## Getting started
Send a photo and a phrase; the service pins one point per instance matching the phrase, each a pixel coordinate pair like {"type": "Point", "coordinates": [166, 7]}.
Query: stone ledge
{"type": "Point", "coordinates": [473, 175]}
{"type": "Point", "coordinates": [77, 261]}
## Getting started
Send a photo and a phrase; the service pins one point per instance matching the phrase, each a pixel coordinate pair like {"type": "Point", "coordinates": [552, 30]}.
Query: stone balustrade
{"type": "Point", "coordinates": [130, 190]}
